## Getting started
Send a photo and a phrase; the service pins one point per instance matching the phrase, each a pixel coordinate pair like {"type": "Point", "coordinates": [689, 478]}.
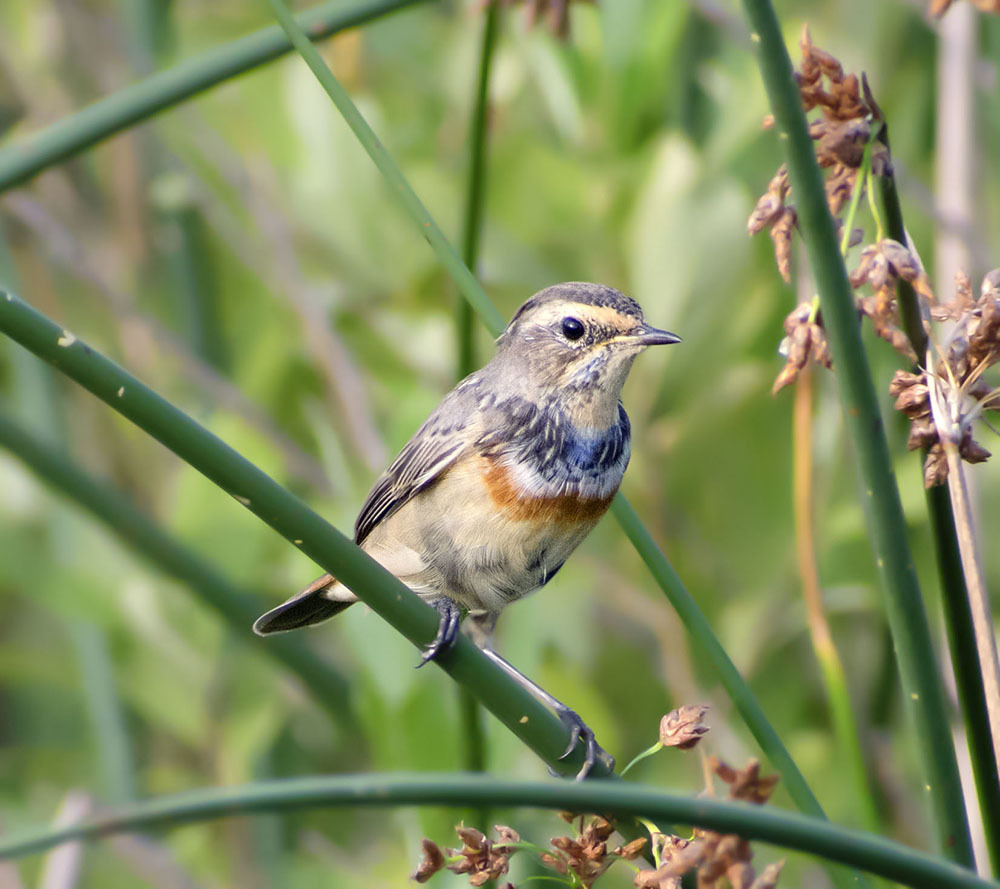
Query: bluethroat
{"type": "Point", "coordinates": [505, 478]}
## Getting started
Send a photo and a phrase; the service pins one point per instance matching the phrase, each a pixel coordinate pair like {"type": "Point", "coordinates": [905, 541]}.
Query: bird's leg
{"type": "Point", "coordinates": [570, 718]}
{"type": "Point", "coordinates": [451, 617]}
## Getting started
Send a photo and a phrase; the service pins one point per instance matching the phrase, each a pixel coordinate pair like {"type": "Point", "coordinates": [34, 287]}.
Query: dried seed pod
{"type": "Point", "coordinates": [431, 863]}
{"type": "Point", "coordinates": [935, 466]}
{"type": "Point", "coordinates": [914, 401]}
{"type": "Point", "coordinates": [684, 727]}
{"type": "Point", "coordinates": [781, 235]}
{"type": "Point", "coordinates": [971, 450]}
{"type": "Point", "coordinates": [923, 434]}
{"type": "Point", "coordinates": [633, 850]}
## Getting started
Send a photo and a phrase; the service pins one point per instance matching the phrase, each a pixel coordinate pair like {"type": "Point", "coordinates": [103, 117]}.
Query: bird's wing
{"type": "Point", "coordinates": [436, 446]}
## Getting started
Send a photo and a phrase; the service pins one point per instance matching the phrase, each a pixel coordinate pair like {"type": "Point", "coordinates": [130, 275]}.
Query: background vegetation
{"type": "Point", "coordinates": [242, 256]}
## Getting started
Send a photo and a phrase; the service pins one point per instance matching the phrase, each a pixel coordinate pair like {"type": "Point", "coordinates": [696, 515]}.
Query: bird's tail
{"type": "Point", "coordinates": [324, 598]}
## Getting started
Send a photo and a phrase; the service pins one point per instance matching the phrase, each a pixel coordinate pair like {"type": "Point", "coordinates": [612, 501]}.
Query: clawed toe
{"type": "Point", "coordinates": [579, 729]}
{"type": "Point", "coordinates": [447, 633]}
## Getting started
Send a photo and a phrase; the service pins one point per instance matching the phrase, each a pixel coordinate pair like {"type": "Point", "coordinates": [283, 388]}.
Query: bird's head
{"type": "Point", "coordinates": [579, 339]}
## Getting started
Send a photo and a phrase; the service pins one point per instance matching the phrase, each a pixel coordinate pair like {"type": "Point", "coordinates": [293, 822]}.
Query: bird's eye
{"type": "Point", "coordinates": [572, 328]}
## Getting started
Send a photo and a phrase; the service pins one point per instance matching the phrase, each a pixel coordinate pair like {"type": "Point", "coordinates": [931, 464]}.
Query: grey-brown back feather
{"type": "Point", "coordinates": [433, 448]}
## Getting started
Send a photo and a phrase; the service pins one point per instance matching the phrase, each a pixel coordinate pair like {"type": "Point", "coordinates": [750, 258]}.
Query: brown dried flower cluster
{"type": "Point", "coordinates": [805, 338]}
{"type": "Point", "coordinates": [585, 857]}
{"type": "Point", "coordinates": [841, 135]}
{"type": "Point", "coordinates": [555, 13]}
{"type": "Point", "coordinates": [480, 857]}
{"type": "Point", "coordinates": [972, 348]}
{"type": "Point", "coordinates": [883, 265]}
{"type": "Point", "coordinates": [712, 854]}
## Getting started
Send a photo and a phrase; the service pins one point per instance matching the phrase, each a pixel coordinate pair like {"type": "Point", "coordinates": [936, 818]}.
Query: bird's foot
{"type": "Point", "coordinates": [451, 617]}
{"type": "Point", "coordinates": [578, 730]}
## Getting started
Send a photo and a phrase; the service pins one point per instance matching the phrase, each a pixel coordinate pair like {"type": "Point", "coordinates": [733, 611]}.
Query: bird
{"type": "Point", "coordinates": [505, 478]}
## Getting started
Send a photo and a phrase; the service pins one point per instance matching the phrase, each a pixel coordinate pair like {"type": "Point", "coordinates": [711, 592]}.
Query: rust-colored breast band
{"type": "Point", "coordinates": [567, 509]}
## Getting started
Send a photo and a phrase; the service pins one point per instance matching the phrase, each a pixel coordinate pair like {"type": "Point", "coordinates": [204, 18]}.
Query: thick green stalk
{"type": "Point", "coordinates": [812, 835]}
{"type": "Point", "coordinates": [236, 606]}
{"type": "Point", "coordinates": [922, 691]}
{"type": "Point", "coordinates": [668, 580]}
{"type": "Point", "coordinates": [954, 595]}
{"type": "Point", "coordinates": [30, 155]}
{"type": "Point", "coordinates": [536, 726]}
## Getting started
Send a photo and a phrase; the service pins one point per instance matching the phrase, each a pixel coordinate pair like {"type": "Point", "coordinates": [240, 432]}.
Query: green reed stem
{"type": "Point", "coordinates": [698, 626]}
{"type": "Point", "coordinates": [922, 693]}
{"type": "Point", "coordinates": [817, 837]}
{"type": "Point", "coordinates": [845, 725]}
{"type": "Point", "coordinates": [666, 577]}
{"type": "Point", "coordinates": [535, 725]}
{"type": "Point", "coordinates": [25, 158]}
{"type": "Point", "coordinates": [954, 595]}
{"type": "Point", "coordinates": [135, 528]}
{"type": "Point", "coordinates": [466, 281]}
{"type": "Point", "coordinates": [472, 226]}
{"type": "Point", "coordinates": [475, 194]}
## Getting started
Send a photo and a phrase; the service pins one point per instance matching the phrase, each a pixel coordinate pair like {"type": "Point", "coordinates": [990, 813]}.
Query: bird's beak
{"type": "Point", "coordinates": [644, 335]}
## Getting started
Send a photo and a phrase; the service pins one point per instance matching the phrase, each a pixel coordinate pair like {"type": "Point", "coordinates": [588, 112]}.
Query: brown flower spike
{"type": "Point", "coordinates": [842, 132]}
{"type": "Point", "coordinates": [973, 347]}
{"type": "Point", "coordinates": [586, 855]}
{"type": "Point", "coordinates": [479, 857]}
{"type": "Point", "coordinates": [714, 855]}
{"type": "Point", "coordinates": [432, 862]}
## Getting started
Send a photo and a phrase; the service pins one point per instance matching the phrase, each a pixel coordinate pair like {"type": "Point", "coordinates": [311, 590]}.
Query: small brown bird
{"type": "Point", "coordinates": [505, 478]}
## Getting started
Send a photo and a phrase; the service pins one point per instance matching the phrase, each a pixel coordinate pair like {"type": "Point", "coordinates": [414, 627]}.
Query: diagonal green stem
{"type": "Point", "coordinates": [812, 835]}
{"type": "Point", "coordinates": [923, 696]}
{"type": "Point", "coordinates": [30, 155]}
{"type": "Point", "coordinates": [236, 606]}
{"type": "Point", "coordinates": [698, 626]}
{"type": "Point", "coordinates": [666, 577]}
{"type": "Point", "coordinates": [536, 726]}
{"type": "Point", "coordinates": [954, 595]}
{"type": "Point", "coordinates": [466, 281]}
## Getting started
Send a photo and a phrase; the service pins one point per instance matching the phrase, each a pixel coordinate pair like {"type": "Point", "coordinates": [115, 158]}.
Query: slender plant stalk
{"type": "Point", "coordinates": [475, 194]}
{"type": "Point", "coordinates": [959, 626]}
{"type": "Point", "coordinates": [113, 747]}
{"type": "Point", "coordinates": [845, 727]}
{"type": "Point", "coordinates": [922, 692]}
{"type": "Point", "coordinates": [236, 606]}
{"type": "Point", "coordinates": [972, 565]}
{"type": "Point", "coordinates": [27, 157]}
{"type": "Point", "coordinates": [668, 580]}
{"type": "Point", "coordinates": [814, 836]}
{"type": "Point", "coordinates": [466, 281]}
{"type": "Point", "coordinates": [475, 202]}
{"type": "Point", "coordinates": [535, 725]}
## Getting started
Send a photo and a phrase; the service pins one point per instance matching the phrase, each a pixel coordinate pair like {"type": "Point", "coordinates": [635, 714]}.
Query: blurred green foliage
{"type": "Point", "coordinates": [251, 228]}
